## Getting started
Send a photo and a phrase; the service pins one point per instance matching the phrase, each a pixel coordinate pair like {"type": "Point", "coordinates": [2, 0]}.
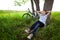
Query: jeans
{"type": "Point", "coordinates": [35, 26]}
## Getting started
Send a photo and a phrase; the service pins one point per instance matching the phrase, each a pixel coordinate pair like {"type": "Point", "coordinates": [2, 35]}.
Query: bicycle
{"type": "Point", "coordinates": [29, 14]}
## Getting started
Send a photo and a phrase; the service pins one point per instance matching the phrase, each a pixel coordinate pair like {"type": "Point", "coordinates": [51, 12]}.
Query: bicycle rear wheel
{"type": "Point", "coordinates": [26, 16]}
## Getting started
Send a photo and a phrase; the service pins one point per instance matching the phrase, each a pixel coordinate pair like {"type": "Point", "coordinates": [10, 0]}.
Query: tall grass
{"type": "Point", "coordinates": [12, 27]}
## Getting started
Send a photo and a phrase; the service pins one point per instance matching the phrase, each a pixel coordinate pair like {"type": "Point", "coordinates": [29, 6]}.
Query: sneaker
{"type": "Point", "coordinates": [27, 31]}
{"type": "Point", "coordinates": [30, 36]}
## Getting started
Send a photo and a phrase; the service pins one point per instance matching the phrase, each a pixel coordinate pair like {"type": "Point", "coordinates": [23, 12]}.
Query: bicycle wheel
{"type": "Point", "coordinates": [26, 16]}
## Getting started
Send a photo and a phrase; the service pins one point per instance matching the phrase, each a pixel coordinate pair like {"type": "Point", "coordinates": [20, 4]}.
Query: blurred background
{"type": "Point", "coordinates": [22, 6]}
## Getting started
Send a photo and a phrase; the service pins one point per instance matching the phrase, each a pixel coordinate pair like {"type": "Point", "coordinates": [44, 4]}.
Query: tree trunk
{"type": "Point", "coordinates": [37, 5]}
{"type": "Point", "coordinates": [32, 5]}
{"type": "Point", "coordinates": [48, 6]}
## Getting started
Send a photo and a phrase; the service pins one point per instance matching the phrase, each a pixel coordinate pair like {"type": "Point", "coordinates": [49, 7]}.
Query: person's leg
{"type": "Point", "coordinates": [34, 25]}
{"type": "Point", "coordinates": [35, 28]}
{"type": "Point", "coordinates": [40, 24]}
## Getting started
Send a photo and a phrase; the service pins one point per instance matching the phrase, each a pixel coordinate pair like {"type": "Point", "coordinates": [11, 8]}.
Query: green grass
{"type": "Point", "coordinates": [12, 27]}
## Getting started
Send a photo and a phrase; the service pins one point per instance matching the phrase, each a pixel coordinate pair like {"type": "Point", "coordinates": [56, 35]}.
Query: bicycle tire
{"type": "Point", "coordinates": [26, 16]}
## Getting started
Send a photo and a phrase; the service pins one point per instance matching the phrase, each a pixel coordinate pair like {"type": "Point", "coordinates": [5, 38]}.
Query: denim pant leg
{"type": "Point", "coordinates": [33, 26]}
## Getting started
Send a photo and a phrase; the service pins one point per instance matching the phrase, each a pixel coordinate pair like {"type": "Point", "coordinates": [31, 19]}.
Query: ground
{"type": "Point", "coordinates": [12, 27]}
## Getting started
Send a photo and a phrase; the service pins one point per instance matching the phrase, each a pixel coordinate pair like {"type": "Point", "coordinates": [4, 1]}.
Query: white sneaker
{"type": "Point", "coordinates": [30, 36]}
{"type": "Point", "coordinates": [27, 31]}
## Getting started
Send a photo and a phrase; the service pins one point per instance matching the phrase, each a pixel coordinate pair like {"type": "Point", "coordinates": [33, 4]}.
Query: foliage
{"type": "Point", "coordinates": [20, 2]}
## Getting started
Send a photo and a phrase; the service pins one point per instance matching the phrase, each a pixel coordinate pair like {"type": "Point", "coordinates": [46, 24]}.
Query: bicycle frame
{"type": "Point", "coordinates": [29, 14]}
{"type": "Point", "coordinates": [33, 14]}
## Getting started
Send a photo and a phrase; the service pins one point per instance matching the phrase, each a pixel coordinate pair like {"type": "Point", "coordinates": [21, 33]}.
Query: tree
{"type": "Point", "coordinates": [20, 2]}
{"type": "Point", "coordinates": [37, 5]}
{"type": "Point", "coordinates": [48, 6]}
{"type": "Point", "coordinates": [32, 5]}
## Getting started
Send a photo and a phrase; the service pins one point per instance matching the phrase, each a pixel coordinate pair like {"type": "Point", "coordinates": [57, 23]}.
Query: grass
{"type": "Point", "coordinates": [12, 27]}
